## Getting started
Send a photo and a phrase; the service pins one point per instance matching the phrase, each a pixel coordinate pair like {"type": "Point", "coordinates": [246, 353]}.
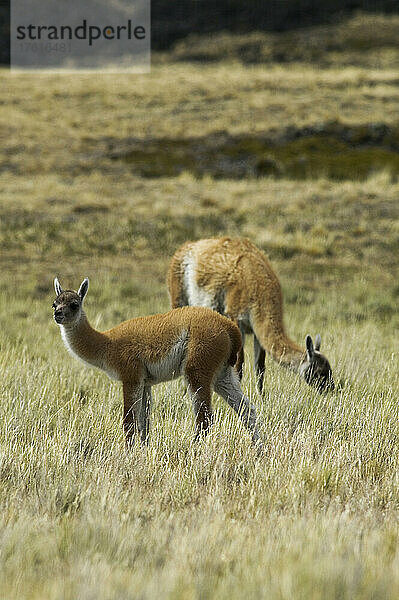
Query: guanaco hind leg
{"type": "Point", "coordinates": [201, 394]}
{"type": "Point", "coordinates": [228, 386]}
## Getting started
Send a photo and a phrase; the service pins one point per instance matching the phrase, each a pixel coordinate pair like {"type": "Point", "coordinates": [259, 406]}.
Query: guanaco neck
{"type": "Point", "coordinates": [86, 343]}
{"type": "Point", "coordinates": [272, 337]}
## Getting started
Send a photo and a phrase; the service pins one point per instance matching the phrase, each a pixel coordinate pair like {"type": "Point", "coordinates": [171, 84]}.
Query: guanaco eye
{"type": "Point", "coordinates": [74, 305]}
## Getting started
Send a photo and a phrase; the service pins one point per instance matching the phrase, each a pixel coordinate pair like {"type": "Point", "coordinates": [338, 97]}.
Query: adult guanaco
{"type": "Point", "coordinates": [233, 277]}
{"type": "Point", "coordinates": [195, 342]}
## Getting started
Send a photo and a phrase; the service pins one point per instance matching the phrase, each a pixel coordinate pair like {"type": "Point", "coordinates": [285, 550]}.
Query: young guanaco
{"type": "Point", "coordinates": [197, 343]}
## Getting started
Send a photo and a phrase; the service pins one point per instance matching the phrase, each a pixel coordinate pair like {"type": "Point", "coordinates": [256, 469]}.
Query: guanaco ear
{"type": "Point", "coordinates": [317, 342]}
{"type": "Point", "coordinates": [309, 348]}
{"type": "Point", "coordinates": [84, 286]}
{"type": "Point", "coordinates": [57, 287]}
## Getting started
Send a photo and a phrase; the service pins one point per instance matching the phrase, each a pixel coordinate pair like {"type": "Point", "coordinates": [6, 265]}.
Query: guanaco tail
{"type": "Point", "coordinates": [233, 277]}
{"type": "Point", "coordinates": [197, 343]}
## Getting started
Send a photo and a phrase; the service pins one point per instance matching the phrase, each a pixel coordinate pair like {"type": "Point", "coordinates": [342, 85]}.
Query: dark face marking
{"type": "Point", "coordinates": [318, 373]}
{"type": "Point", "coordinates": [66, 307]}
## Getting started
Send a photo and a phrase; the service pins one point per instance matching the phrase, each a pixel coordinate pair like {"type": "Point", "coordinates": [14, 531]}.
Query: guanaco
{"type": "Point", "coordinates": [233, 277]}
{"type": "Point", "coordinates": [197, 343]}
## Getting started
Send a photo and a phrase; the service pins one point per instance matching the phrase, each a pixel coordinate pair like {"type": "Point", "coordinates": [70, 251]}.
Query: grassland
{"type": "Point", "coordinates": [317, 517]}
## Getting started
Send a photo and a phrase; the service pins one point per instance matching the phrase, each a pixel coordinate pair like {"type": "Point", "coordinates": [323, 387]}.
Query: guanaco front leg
{"type": "Point", "coordinates": [232, 312]}
{"type": "Point", "coordinates": [260, 357]}
{"type": "Point", "coordinates": [144, 414]}
{"type": "Point", "coordinates": [133, 401]}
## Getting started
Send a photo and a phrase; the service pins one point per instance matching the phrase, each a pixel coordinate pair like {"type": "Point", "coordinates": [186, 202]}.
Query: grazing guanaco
{"type": "Point", "coordinates": [235, 278]}
{"type": "Point", "coordinates": [196, 342]}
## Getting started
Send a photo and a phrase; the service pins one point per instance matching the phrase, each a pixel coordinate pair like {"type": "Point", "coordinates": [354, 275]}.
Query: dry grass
{"type": "Point", "coordinates": [80, 517]}
{"type": "Point", "coordinates": [315, 518]}
{"type": "Point", "coordinates": [76, 116]}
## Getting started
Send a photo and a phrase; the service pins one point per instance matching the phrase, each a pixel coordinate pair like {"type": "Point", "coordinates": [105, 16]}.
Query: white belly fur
{"type": "Point", "coordinates": [172, 365]}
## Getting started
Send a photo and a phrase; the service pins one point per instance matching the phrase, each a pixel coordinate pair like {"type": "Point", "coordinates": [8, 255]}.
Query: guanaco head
{"type": "Point", "coordinates": [68, 304]}
{"type": "Point", "coordinates": [316, 369]}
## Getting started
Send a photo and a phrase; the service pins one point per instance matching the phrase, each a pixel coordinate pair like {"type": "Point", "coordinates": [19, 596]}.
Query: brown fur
{"type": "Point", "coordinates": [246, 276]}
{"type": "Point", "coordinates": [175, 277]}
{"type": "Point", "coordinates": [236, 278]}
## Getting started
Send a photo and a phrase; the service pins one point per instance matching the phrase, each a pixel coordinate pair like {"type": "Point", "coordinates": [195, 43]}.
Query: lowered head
{"type": "Point", "coordinates": [68, 304]}
{"type": "Point", "coordinates": [316, 369]}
